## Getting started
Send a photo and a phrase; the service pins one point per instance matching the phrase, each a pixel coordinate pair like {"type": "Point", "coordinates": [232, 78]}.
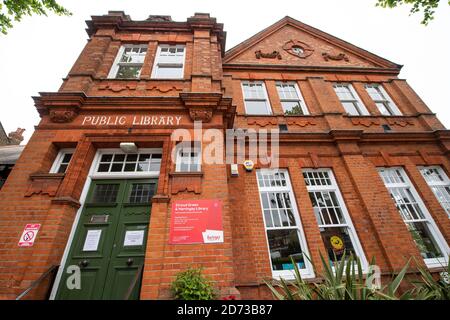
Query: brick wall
{"type": "Point", "coordinates": [352, 146]}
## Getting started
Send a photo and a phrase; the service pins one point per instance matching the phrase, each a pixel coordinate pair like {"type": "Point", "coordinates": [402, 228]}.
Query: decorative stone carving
{"type": "Point", "coordinates": [400, 122]}
{"type": "Point", "coordinates": [163, 88]}
{"type": "Point", "coordinates": [62, 116]}
{"type": "Point", "coordinates": [301, 122]}
{"type": "Point", "coordinates": [262, 122]}
{"type": "Point", "coordinates": [201, 114]}
{"type": "Point", "coordinates": [118, 87]}
{"type": "Point", "coordinates": [365, 122]}
{"type": "Point", "coordinates": [341, 56]}
{"type": "Point", "coordinates": [201, 105]}
{"type": "Point", "coordinates": [44, 183]}
{"type": "Point", "coordinates": [61, 107]}
{"type": "Point", "coordinates": [186, 182]}
{"type": "Point", "coordinates": [273, 55]}
{"type": "Point", "coordinates": [159, 18]}
{"type": "Point", "coordinates": [298, 48]}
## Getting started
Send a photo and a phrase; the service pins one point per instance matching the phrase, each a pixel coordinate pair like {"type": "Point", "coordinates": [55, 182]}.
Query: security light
{"type": "Point", "coordinates": [128, 147]}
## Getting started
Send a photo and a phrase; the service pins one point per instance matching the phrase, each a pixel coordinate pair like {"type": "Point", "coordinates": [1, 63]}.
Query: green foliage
{"type": "Point", "coordinates": [427, 6]}
{"type": "Point", "coordinates": [295, 111]}
{"type": "Point", "coordinates": [344, 280]}
{"type": "Point", "coordinates": [191, 285]}
{"type": "Point", "coordinates": [428, 288]}
{"type": "Point", "coordinates": [15, 9]}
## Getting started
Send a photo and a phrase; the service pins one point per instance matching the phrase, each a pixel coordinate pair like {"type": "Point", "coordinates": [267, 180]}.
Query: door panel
{"type": "Point", "coordinates": [110, 240]}
{"type": "Point", "coordinates": [130, 240]}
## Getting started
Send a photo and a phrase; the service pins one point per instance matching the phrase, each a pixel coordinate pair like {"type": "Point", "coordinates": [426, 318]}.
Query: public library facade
{"type": "Point", "coordinates": [363, 163]}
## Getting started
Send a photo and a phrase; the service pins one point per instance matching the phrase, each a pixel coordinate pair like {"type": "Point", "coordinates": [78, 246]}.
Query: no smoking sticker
{"type": "Point", "coordinates": [29, 234]}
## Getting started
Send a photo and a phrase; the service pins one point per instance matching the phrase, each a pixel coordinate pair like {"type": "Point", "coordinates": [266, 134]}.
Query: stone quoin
{"type": "Point", "coordinates": [363, 164]}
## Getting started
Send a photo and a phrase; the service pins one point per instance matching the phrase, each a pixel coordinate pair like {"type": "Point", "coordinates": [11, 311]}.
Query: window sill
{"type": "Point", "coordinates": [124, 79]}
{"type": "Point", "coordinates": [375, 116]}
{"type": "Point", "coordinates": [50, 175]}
{"type": "Point", "coordinates": [166, 79]}
{"type": "Point", "coordinates": [257, 115]}
{"type": "Point", "coordinates": [186, 174]}
{"type": "Point", "coordinates": [295, 115]}
{"type": "Point", "coordinates": [437, 264]}
{"type": "Point", "coordinates": [290, 278]}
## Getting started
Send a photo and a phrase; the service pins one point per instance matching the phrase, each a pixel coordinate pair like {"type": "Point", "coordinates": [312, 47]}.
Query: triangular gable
{"type": "Point", "coordinates": [276, 45]}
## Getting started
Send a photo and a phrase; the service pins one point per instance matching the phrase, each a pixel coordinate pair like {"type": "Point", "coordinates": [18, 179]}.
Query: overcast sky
{"type": "Point", "coordinates": [39, 51]}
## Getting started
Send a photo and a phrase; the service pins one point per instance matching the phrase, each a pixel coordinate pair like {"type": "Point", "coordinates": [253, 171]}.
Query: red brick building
{"type": "Point", "coordinates": [363, 162]}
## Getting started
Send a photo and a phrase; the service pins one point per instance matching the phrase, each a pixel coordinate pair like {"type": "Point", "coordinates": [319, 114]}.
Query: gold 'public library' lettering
{"type": "Point", "coordinates": [137, 120]}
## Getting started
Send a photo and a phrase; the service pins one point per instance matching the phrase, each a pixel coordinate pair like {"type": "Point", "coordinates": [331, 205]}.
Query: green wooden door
{"type": "Point", "coordinates": [110, 240]}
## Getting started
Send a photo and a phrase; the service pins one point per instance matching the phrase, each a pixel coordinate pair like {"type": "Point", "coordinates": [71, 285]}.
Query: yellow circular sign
{"type": "Point", "coordinates": [248, 165]}
{"type": "Point", "coordinates": [336, 243]}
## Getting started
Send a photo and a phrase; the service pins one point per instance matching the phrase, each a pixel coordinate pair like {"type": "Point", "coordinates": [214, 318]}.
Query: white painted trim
{"type": "Point", "coordinates": [302, 100]}
{"type": "Point", "coordinates": [435, 232]}
{"type": "Point", "coordinates": [349, 224]}
{"type": "Point", "coordinates": [115, 67]}
{"type": "Point", "coordinates": [395, 110]}
{"type": "Point", "coordinates": [268, 106]}
{"type": "Point", "coordinates": [180, 147]}
{"type": "Point", "coordinates": [391, 106]}
{"type": "Point", "coordinates": [59, 158]}
{"type": "Point", "coordinates": [362, 108]}
{"type": "Point", "coordinates": [299, 95]}
{"type": "Point", "coordinates": [432, 184]}
{"type": "Point", "coordinates": [308, 272]}
{"type": "Point", "coordinates": [91, 176]}
{"type": "Point", "coordinates": [127, 175]}
{"type": "Point", "coordinates": [158, 57]}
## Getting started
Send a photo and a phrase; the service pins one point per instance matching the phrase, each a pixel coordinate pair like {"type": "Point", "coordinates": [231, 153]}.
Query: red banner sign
{"type": "Point", "coordinates": [196, 221]}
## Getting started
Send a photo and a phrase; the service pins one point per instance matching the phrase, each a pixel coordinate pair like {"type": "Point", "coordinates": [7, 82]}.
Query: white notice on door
{"type": "Point", "coordinates": [134, 238]}
{"type": "Point", "coordinates": [92, 240]}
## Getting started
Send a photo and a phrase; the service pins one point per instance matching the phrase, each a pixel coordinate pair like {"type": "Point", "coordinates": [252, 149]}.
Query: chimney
{"type": "Point", "coordinates": [16, 137]}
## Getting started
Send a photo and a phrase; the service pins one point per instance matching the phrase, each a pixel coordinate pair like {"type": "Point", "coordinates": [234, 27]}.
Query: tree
{"type": "Point", "coordinates": [15, 9]}
{"type": "Point", "coordinates": [295, 111]}
{"type": "Point", "coordinates": [427, 6]}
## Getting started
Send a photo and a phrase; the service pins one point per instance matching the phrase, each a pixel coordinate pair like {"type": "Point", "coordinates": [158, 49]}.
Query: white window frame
{"type": "Point", "coordinates": [437, 184]}
{"type": "Point", "coordinates": [299, 99]}
{"type": "Point", "coordinates": [59, 158]}
{"type": "Point", "coordinates": [157, 64]}
{"type": "Point", "coordinates": [266, 98]}
{"type": "Point", "coordinates": [387, 101]}
{"type": "Point", "coordinates": [357, 102]}
{"type": "Point", "coordinates": [191, 148]}
{"type": "Point", "coordinates": [128, 174]}
{"type": "Point", "coordinates": [333, 187]}
{"type": "Point", "coordinates": [115, 67]}
{"type": "Point", "coordinates": [434, 230]}
{"type": "Point", "coordinates": [308, 271]}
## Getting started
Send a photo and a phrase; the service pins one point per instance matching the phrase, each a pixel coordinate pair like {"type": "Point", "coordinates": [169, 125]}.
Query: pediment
{"type": "Point", "coordinates": [290, 42]}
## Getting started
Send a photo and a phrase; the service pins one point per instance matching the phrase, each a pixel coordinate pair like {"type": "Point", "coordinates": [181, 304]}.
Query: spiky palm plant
{"type": "Point", "coordinates": [344, 280]}
{"type": "Point", "coordinates": [429, 288]}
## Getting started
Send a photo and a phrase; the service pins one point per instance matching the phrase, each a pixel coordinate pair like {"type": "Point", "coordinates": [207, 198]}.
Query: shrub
{"type": "Point", "coordinates": [191, 285]}
{"type": "Point", "coordinates": [428, 288]}
{"type": "Point", "coordinates": [346, 282]}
